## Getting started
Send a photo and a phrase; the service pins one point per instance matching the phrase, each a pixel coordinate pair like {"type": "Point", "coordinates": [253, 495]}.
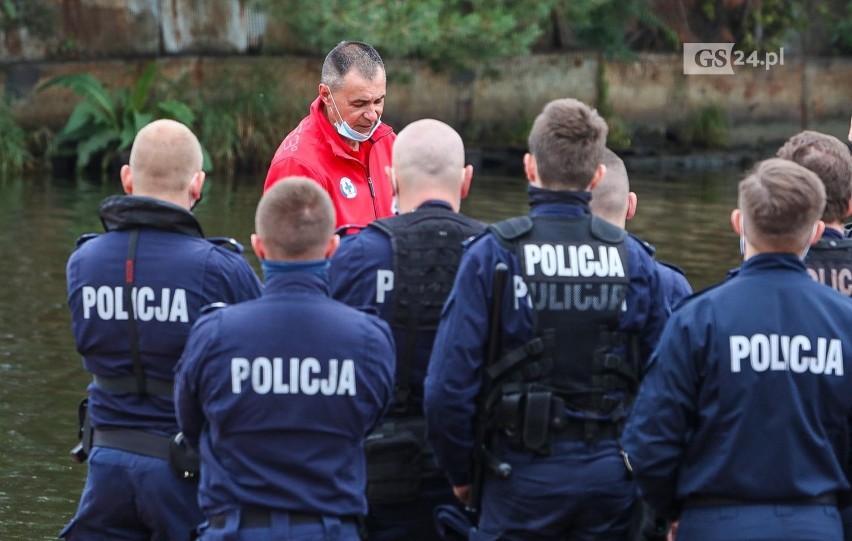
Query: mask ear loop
{"type": "Point", "coordinates": [808, 245]}
{"type": "Point", "coordinates": [742, 236]}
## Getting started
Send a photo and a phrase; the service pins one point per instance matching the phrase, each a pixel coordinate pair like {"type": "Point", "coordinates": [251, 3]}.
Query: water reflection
{"type": "Point", "coordinates": [686, 218]}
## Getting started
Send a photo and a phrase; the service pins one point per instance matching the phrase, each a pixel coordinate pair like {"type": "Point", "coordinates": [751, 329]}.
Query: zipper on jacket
{"type": "Point", "coordinates": [373, 194]}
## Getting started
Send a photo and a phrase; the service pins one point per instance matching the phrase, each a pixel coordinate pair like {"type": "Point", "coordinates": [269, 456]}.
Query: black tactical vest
{"type": "Point", "coordinates": [829, 261]}
{"type": "Point", "coordinates": [427, 247]}
{"type": "Point", "coordinates": [576, 273]}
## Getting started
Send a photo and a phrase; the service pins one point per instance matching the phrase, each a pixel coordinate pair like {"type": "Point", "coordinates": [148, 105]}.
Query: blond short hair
{"type": "Point", "coordinates": [566, 139]}
{"type": "Point", "coordinates": [780, 201]}
{"type": "Point", "coordinates": [610, 196]}
{"type": "Point", "coordinates": [295, 218]}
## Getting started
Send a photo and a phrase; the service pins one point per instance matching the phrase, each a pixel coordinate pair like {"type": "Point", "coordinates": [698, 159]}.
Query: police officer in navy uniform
{"type": "Point", "coordinates": [829, 261]}
{"type": "Point", "coordinates": [404, 267]}
{"type": "Point", "coordinates": [742, 425]}
{"type": "Point", "coordinates": [134, 292]}
{"type": "Point", "coordinates": [279, 393]}
{"type": "Point", "coordinates": [556, 364]}
{"type": "Point", "coordinates": [613, 201]}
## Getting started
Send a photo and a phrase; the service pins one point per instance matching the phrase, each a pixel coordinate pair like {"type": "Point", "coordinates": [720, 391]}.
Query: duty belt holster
{"type": "Point", "coordinates": [80, 452]}
{"type": "Point", "coordinates": [529, 418]}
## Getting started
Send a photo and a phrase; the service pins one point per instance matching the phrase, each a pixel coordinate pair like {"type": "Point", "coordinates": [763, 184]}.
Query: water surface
{"type": "Point", "coordinates": [41, 378]}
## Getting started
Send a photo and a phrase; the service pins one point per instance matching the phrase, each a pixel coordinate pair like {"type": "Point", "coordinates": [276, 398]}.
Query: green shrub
{"type": "Point", "coordinates": [14, 155]}
{"type": "Point", "coordinates": [105, 122]}
{"type": "Point", "coordinates": [707, 127]}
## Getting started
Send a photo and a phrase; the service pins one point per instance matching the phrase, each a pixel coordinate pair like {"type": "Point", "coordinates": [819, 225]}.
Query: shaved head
{"type": "Point", "coordinates": [428, 157]}
{"type": "Point", "coordinates": [610, 196]}
{"type": "Point", "coordinates": [164, 158]}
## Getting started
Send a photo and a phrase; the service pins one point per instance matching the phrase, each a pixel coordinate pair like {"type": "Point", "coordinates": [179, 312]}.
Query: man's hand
{"type": "Point", "coordinates": [463, 494]}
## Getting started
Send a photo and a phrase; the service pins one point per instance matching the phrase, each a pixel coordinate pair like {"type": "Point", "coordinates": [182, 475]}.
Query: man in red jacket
{"type": "Point", "coordinates": [342, 143]}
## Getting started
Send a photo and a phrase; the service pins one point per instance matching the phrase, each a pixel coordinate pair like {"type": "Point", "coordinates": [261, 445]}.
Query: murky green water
{"type": "Point", "coordinates": [41, 379]}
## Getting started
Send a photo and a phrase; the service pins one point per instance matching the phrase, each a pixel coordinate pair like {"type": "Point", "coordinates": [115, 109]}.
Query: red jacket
{"type": "Point", "coordinates": [361, 192]}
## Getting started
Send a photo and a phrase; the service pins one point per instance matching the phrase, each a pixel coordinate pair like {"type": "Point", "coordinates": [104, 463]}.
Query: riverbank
{"type": "Point", "coordinates": [663, 118]}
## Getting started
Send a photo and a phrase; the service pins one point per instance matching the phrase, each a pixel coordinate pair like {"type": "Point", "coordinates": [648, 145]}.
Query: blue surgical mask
{"type": "Point", "coordinates": [345, 130]}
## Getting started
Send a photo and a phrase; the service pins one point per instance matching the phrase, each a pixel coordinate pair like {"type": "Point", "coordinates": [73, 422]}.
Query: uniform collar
{"type": "Point", "coordinates": [772, 261]}
{"type": "Point", "coordinates": [558, 202]}
{"type": "Point", "coordinates": [120, 212]}
{"type": "Point", "coordinates": [435, 204]}
{"type": "Point", "coordinates": [291, 282]}
{"type": "Point", "coordinates": [830, 233]}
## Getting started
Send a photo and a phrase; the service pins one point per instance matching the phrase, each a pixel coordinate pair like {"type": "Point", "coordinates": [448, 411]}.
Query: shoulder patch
{"type": "Point", "coordinates": [212, 307]}
{"type": "Point", "coordinates": [227, 242]}
{"type": "Point", "coordinates": [84, 238]}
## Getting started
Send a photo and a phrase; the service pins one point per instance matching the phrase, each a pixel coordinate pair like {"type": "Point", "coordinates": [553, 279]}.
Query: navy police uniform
{"type": "Point", "coordinates": [404, 267]}
{"type": "Point", "coordinates": [742, 425]}
{"type": "Point", "coordinates": [134, 292]}
{"type": "Point", "coordinates": [673, 283]}
{"type": "Point", "coordinates": [829, 261]}
{"type": "Point", "coordinates": [278, 395]}
{"type": "Point", "coordinates": [579, 313]}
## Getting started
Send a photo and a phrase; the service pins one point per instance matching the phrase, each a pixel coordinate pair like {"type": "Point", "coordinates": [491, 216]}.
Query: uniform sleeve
{"type": "Point", "coordinates": [383, 350]}
{"type": "Point", "coordinates": [656, 434]}
{"type": "Point", "coordinates": [231, 279]}
{"type": "Point", "coordinates": [675, 285]}
{"type": "Point", "coordinates": [188, 402]}
{"type": "Point", "coordinates": [353, 276]}
{"type": "Point", "coordinates": [648, 308]}
{"type": "Point", "coordinates": [453, 378]}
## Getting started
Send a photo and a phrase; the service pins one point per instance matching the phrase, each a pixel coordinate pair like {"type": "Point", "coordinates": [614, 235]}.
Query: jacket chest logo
{"type": "Point", "coordinates": [347, 188]}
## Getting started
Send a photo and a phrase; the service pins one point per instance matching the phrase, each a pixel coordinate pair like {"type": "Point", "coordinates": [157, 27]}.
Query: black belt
{"type": "Point", "coordinates": [576, 430]}
{"type": "Point", "coordinates": [133, 441]}
{"type": "Point", "coordinates": [711, 501]}
{"type": "Point", "coordinates": [262, 518]}
{"type": "Point", "coordinates": [127, 384]}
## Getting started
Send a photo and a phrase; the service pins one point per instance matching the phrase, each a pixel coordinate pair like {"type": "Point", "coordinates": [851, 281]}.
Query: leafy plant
{"type": "Point", "coordinates": [14, 155]}
{"type": "Point", "coordinates": [707, 127]}
{"type": "Point", "coordinates": [105, 122]}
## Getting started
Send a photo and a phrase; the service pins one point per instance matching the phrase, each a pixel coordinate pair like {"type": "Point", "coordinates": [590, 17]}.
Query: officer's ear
{"type": "Point", "coordinates": [531, 169]}
{"type": "Point", "coordinates": [632, 201]}
{"type": "Point", "coordinates": [257, 246]}
{"type": "Point", "coordinates": [333, 243]}
{"type": "Point", "coordinates": [467, 176]}
{"type": "Point", "coordinates": [126, 175]}
{"type": "Point", "coordinates": [600, 171]}
{"type": "Point", "coordinates": [196, 186]}
{"type": "Point", "coordinates": [394, 186]}
{"type": "Point", "coordinates": [736, 221]}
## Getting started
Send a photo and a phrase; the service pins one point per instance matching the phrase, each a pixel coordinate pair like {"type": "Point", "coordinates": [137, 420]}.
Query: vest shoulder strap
{"type": "Point", "coordinates": [607, 232]}
{"type": "Point", "coordinates": [512, 228]}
